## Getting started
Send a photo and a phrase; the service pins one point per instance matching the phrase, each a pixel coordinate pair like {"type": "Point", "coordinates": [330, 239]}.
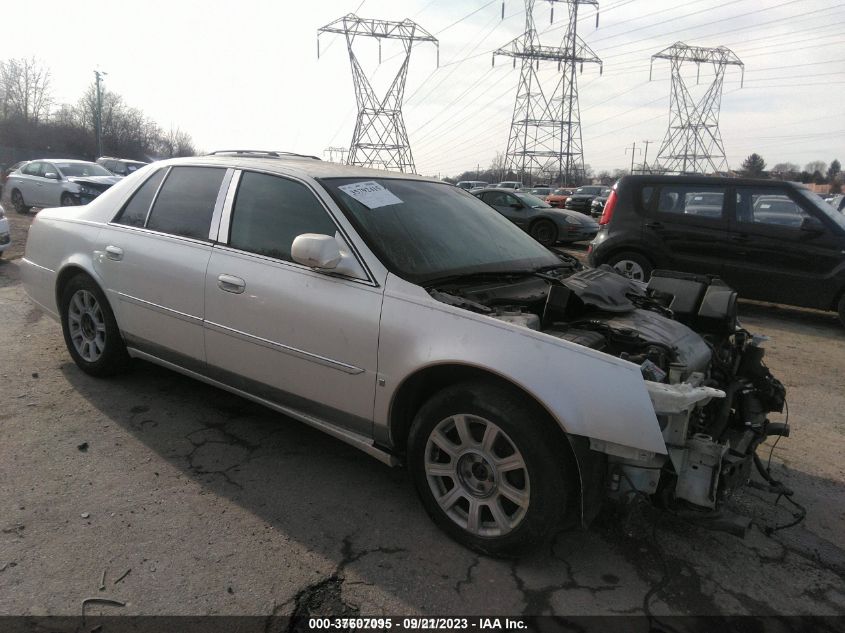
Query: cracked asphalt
{"type": "Point", "coordinates": [207, 504]}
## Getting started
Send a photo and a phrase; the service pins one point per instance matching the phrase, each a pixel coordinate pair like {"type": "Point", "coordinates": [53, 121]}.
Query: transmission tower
{"type": "Point", "coordinates": [693, 143]}
{"type": "Point", "coordinates": [339, 151]}
{"type": "Point", "coordinates": [545, 135]}
{"type": "Point", "coordinates": [380, 138]}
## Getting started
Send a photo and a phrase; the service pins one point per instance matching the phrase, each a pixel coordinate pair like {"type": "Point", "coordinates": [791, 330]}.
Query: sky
{"type": "Point", "coordinates": [246, 74]}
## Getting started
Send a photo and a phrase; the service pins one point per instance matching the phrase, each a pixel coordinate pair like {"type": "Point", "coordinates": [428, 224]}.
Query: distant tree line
{"type": "Point", "coordinates": [817, 171]}
{"type": "Point", "coordinates": [32, 125]}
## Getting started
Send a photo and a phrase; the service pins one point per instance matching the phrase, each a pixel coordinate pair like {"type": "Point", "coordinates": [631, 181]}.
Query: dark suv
{"type": "Point", "coordinates": [770, 240]}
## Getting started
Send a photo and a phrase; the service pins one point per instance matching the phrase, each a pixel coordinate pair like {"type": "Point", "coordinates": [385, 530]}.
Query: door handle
{"type": "Point", "coordinates": [114, 253]}
{"type": "Point", "coordinates": [654, 225]}
{"type": "Point", "coordinates": [230, 283]}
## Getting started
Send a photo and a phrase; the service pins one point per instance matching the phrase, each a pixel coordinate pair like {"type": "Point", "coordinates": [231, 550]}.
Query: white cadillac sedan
{"type": "Point", "coordinates": [408, 318]}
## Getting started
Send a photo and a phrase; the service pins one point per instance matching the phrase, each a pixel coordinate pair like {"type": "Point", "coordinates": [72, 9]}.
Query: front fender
{"type": "Point", "coordinates": [588, 393]}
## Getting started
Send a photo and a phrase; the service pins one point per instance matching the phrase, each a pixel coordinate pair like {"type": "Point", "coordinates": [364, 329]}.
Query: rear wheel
{"type": "Point", "coordinates": [545, 232]}
{"type": "Point", "coordinates": [18, 203]}
{"type": "Point", "coordinates": [487, 470]}
{"type": "Point", "coordinates": [632, 265]}
{"type": "Point", "coordinates": [90, 329]}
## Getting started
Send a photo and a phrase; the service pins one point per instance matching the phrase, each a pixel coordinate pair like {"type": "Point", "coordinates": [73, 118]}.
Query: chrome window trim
{"type": "Point", "coordinates": [287, 349]}
{"type": "Point", "coordinates": [182, 316]}
{"type": "Point", "coordinates": [228, 208]}
{"type": "Point", "coordinates": [222, 194]}
{"type": "Point", "coordinates": [294, 265]}
{"type": "Point", "coordinates": [140, 229]}
{"type": "Point", "coordinates": [226, 215]}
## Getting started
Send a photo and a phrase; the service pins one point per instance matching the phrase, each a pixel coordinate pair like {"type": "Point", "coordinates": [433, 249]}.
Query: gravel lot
{"type": "Point", "coordinates": [214, 505]}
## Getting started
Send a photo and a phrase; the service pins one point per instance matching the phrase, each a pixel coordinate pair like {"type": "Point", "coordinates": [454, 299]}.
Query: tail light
{"type": "Point", "coordinates": [609, 206]}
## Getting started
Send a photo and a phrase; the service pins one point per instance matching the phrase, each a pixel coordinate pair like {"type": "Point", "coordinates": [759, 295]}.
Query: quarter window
{"type": "Point", "coordinates": [135, 211]}
{"type": "Point", "coordinates": [186, 202]}
{"type": "Point", "coordinates": [270, 212]}
{"type": "Point", "coordinates": [768, 206]}
{"type": "Point", "coordinates": [692, 200]}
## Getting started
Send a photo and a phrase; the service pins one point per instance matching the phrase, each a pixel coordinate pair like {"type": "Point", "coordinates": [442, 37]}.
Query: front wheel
{"type": "Point", "coordinates": [68, 200]}
{"type": "Point", "coordinates": [490, 468]}
{"type": "Point", "coordinates": [545, 232]}
{"type": "Point", "coordinates": [632, 265]}
{"type": "Point", "coordinates": [90, 329]}
{"type": "Point", "coordinates": [18, 203]}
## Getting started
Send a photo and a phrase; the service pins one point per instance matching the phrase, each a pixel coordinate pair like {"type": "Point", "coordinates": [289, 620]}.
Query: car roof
{"type": "Point", "coordinates": [301, 166]}
{"type": "Point", "coordinates": [707, 180]}
{"type": "Point", "coordinates": [61, 160]}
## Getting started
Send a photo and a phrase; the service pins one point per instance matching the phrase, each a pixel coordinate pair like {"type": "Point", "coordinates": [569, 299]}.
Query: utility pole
{"type": "Point", "coordinates": [331, 151]}
{"type": "Point", "coordinates": [98, 119]}
{"type": "Point", "coordinates": [645, 158]}
{"type": "Point", "coordinates": [693, 143]}
{"type": "Point", "coordinates": [545, 135]}
{"type": "Point", "coordinates": [380, 137]}
{"type": "Point", "coordinates": [633, 149]}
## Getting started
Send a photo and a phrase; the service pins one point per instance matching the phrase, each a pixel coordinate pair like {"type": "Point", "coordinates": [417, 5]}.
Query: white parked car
{"type": "Point", "coordinates": [5, 234]}
{"type": "Point", "coordinates": [53, 182]}
{"type": "Point", "coordinates": [408, 318]}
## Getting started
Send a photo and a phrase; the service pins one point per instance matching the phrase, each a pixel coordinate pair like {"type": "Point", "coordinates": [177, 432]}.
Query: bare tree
{"type": "Point", "coordinates": [816, 166]}
{"type": "Point", "coordinates": [24, 89]}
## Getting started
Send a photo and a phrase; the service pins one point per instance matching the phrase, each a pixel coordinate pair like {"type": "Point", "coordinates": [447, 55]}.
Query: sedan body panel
{"type": "Point", "coordinates": [419, 332]}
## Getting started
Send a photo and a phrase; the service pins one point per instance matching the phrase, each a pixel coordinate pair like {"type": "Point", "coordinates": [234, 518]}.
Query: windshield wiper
{"type": "Point", "coordinates": [476, 275]}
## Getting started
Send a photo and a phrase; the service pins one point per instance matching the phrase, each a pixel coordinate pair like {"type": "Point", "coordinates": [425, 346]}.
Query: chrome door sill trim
{"type": "Point", "coordinates": [159, 308]}
{"type": "Point", "coordinates": [353, 439]}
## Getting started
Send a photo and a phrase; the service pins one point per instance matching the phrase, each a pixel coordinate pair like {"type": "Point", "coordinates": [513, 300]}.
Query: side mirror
{"type": "Point", "coordinates": [326, 253]}
{"type": "Point", "coordinates": [51, 175]}
{"type": "Point", "coordinates": [812, 225]}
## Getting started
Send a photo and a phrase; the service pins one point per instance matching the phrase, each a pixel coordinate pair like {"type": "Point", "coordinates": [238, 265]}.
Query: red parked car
{"type": "Point", "coordinates": [558, 197]}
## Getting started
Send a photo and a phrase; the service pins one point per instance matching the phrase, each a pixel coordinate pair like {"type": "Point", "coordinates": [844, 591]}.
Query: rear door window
{"type": "Point", "coordinates": [32, 169]}
{"type": "Point", "coordinates": [134, 213]}
{"type": "Point", "coordinates": [186, 202]}
{"type": "Point", "coordinates": [759, 205]}
{"type": "Point", "coordinates": [270, 212]}
{"type": "Point", "coordinates": [692, 201]}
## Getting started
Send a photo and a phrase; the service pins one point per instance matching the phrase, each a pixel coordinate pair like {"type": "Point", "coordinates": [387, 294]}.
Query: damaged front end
{"type": "Point", "coordinates": [705, 374]}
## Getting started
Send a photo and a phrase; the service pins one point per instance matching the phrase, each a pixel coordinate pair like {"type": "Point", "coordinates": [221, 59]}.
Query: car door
{"type": "Point", "coordinates": [688, 224]}
{"type": "Point", "coordinates": [303, 339]}
{"type": "Point", "coordinates": [783, 249]}
{"type": "Point", "coordinates": [153, 257]}
{"type": "Point", "coordinates": [50, 186]}
{"type": "Point", "coordinates": [28, 183]}
{"type": "Point", "coordinates": [508, 205]}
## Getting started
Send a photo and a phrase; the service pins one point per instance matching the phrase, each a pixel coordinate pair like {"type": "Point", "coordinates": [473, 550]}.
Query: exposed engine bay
{"type": "Point", "coordinates": [703, 371]}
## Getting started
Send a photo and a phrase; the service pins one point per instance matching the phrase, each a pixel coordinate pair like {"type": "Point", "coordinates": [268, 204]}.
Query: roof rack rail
{"type": "Point", "coordinates": [259, 152]}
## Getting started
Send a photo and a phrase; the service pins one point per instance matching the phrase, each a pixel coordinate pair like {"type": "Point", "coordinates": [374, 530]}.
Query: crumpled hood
{"type": "Point", "coordinates": [100, 183]}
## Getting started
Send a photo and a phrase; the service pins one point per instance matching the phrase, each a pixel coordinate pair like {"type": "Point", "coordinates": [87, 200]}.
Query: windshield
{"type": "Point", "coordinates": [532, 201]}
{"type": "Point", "coordinates": [82, 169]}
{"type": "Point", "coordinates": [562, 192]}
{"type": "Point", "coordinates": [824, 207]}
{"type": "Point", "coordinates": [424, 231]}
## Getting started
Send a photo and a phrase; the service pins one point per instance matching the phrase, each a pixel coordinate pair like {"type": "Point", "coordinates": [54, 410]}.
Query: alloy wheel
{"type": "Point", "coordinates": [630, 269]}
{"type": "Point", "coordinates": [477, 475]}
{"type": "Point", "coordinates": [87, 325]}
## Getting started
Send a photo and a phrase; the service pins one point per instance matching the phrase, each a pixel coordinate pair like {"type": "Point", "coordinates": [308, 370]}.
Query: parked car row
{"type": "Point", "coordinates": [414, 322]}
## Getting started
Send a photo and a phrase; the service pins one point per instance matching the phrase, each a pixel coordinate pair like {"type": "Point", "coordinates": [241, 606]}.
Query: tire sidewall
{"type": "Point", "coordinates": [544, 456]}
{"type": "Point", "coordinates": [15, 196]}
{"type": "Point", "coordinates": [114, 358]}
{"type": "Point", "coordinates": [553, 228]}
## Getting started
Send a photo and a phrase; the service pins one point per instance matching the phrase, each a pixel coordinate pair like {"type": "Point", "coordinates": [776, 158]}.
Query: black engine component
{"type": "Point", "coordinates": [703, 302]}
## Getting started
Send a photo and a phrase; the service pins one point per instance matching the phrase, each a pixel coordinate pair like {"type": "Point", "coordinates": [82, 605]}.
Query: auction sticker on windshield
{"type": "Point", "coordinates": [370, 194]}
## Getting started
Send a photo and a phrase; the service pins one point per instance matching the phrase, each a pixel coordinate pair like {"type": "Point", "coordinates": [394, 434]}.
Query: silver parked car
{"type": "Point", "coordinates": [53, 182]}
{"type": "Point", "coordinates": [406, 317]}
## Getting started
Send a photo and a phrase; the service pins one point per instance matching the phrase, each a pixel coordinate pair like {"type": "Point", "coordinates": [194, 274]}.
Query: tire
{"type": "Point", "coordinates": [517, 488]}
{"type": "Point", "coordinates": [18, 203]}
{"type": "Point", "coordinates": [545, 232]}
{"type": "Point", "coordinates": [68, 200]}
{"type": "Point", "coordinates": [632, 265]}
{"type": "Point", "coordinates": [841, 309]}
{"type": "Point", "coordinates": [90, 329]}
